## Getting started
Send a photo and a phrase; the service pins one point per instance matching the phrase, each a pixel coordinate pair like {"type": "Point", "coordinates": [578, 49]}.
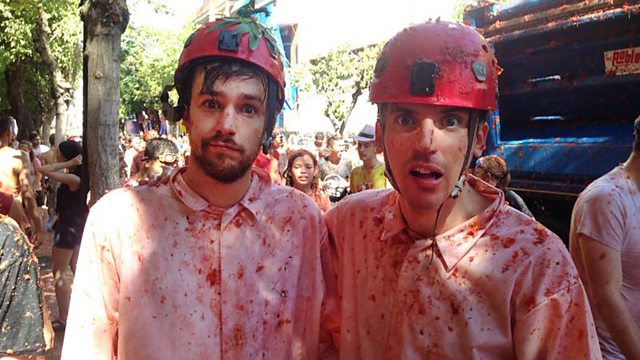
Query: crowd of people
{"type": "Point", "coordinates": [247, 243]}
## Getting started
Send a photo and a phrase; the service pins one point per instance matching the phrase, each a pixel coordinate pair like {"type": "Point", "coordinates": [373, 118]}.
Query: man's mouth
{"type": "Point", "coordinates": [223, 145]}
{"type": "Point", "coordinates": [426, 174]}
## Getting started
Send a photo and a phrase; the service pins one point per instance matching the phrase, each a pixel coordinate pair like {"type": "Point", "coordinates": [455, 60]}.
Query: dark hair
{"type": "Point", "coordinates": [5, 123]}
{"type": "Point", "coordinates": [52, 139]}
{"type": "Point", "coordinates": [70, 149]}
{"type": "Point", "coordinates": [160, 147]}
{"type": "Point", "coordinates": [292, 157]}
{"type": "Point", "coordinates": [496, 167]}
{"type": "Point", "coordinates": [164, 97]}
{"type": "Point", "coordinates": [33, 135]}
{"type": "Point", "coordinates": [218, 68]}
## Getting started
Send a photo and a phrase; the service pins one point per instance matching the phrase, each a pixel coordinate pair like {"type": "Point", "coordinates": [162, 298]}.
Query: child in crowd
{"type": "Point", "coordinates": [302, 174]}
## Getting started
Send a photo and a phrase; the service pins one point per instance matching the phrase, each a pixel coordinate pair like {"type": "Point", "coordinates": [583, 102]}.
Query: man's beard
{"type": "Point", "coordinates": [221, 168]}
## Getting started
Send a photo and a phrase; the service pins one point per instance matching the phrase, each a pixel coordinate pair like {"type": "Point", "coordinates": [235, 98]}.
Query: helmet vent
{"type": "Point", "coordinates": [479, 70]}
{"type": "Point", "coordinates": [423, 78]}
{"type": "Point", "coordinates": [381, 64]}
{"type": "Point", "coordinates": [228, 41]}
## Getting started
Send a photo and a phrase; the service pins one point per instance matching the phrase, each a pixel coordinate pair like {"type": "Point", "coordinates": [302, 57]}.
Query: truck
{"type": "Point", "coordinates": [568, 95]}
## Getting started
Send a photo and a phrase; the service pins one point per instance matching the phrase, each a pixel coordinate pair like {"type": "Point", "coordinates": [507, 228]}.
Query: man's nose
{"type": "Point", "coordinates": [425, 136]}
{"type": "Point", "coordinates": [228, 120]}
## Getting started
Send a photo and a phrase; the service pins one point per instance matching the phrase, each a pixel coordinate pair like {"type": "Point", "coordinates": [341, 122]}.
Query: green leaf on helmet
{"type": "Point", "coordinates": [242, 28]}
{"type": "Point", "coordinates": [221, 25]}
{"type": "Point", "coordinates": [255, 29]}
{"type": "Point", "coordinates": [254, 41]}
{"type": "Point", "coordinates": [273, 50]}
{"type": "Point", "coordinates": [270, 36]}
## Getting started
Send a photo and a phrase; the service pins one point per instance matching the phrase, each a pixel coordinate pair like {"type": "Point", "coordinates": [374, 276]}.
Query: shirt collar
{"type": "Point", "coordinates": [392, 220]}
{"type": "Point", "coordinates": [251, 201]}
{"type": "Point", "coordinates": [454, 244]}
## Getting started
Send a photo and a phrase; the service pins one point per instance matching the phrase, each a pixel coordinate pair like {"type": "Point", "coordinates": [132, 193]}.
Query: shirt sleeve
{"type": "Point", "coordinates": [560, 327]}
{"type": "Point", "coordinates": [606, 227]}
{"type": "Point", "coordinates": [91, 331]}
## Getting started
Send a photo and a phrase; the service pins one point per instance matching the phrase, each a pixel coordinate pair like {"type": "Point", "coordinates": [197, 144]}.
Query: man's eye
{"type": "Point", "coordinates": [451, 121]}
{"type": "Point", "coordinates": [249, 109]}
{"type": "Point", "coordinates": [405, 120]}
{"type": "Point", "coordinates": [211, 104]}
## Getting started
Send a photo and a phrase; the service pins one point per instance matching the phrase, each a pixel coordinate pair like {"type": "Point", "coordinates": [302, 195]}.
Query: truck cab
{"type": "Point", "coordinates": [568, 95]}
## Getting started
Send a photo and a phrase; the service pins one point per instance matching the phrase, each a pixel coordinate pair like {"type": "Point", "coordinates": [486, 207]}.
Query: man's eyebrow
{"type": "Point", "coordinates": [400, 109]}
{"type": "Point", "coordinates": [448, 111]}
{"type": "Point", "coordinates": [251, 97]}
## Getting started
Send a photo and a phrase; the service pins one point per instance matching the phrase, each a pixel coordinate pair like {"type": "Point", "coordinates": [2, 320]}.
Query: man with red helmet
{"type": "Point", "coordinates": [440, 267]}
{"type": "Point", "coordinates": [219, 262]}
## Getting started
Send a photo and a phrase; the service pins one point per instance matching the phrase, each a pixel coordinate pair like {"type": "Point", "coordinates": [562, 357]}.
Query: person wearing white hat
{"type": "Point", "coordinates": [371, 174]}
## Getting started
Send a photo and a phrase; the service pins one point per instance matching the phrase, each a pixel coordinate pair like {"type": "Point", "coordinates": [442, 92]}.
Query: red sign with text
{"type": "Point", "coordinates": [622, 61]}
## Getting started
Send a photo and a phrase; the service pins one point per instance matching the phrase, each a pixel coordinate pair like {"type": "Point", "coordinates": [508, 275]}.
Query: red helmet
{"type": "Point", "coordinates": [236, 38]}
{"type": "Point", "coordinates": [438, 63]}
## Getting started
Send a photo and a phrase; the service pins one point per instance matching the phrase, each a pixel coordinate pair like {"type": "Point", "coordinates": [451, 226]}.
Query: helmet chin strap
{"type": "Point", "coordinates": [387, 167]}
{"type": "Point", "coordinates": [266, 144]}
{"type": "Point", "coordinates": [473, 127]}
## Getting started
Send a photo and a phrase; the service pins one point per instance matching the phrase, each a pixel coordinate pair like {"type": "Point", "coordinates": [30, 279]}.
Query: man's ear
{"type": "Point", "coordinates": [186, 118]}
{"type": "Point", "coordinates": [481, 139]}
{"type": "Point", "coordinates": [379, 139]}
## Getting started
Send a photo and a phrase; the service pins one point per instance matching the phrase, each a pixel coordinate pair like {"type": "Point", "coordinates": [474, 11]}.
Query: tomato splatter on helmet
{"type": "Point", "coordinates": [437, 63]}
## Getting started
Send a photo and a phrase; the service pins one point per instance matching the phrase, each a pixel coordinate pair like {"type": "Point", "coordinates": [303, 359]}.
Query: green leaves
{"type": "Point", "coordinates": [255, 30]}
{"type": "Point", "coordinates": [146, 69]}
{"type": "Point", "coordinates": [340, 76]}
{"type": "Point", "coordinates": [243, 28]}
{"type": "Point", "coordinates": [17, 18]}
{"type": "Point", "coordinates": [254, 41]}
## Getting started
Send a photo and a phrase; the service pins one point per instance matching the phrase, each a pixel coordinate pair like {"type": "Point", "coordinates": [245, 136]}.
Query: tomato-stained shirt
{"type": "Point", "coordinates": [162, 274]}
{"type": "Point", "coordinates": [498, 286]}
{"type": "Point", "coordinates": [608, 212]}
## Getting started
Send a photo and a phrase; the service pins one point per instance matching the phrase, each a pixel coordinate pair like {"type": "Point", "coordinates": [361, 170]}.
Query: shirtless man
{"type": "Point", "coordinates": [14, 175]}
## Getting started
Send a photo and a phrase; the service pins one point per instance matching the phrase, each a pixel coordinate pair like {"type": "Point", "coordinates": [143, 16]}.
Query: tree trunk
{"type": "Point", "coordinates": [14, 76]}
{"type": "Point", "coordinates": [354, 99]}
{"type": "Point", "coordinates": [47, 119]}
{"type": "Point", "coordinates": [105, 21]}
{"type": "Point", "coordinates": [61, 90]}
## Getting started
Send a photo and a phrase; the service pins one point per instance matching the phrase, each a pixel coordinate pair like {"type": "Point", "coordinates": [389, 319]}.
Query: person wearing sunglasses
{"type": "Point", "coordinates": [493, 170]}
{"type": "Point", "coordinates": [159, 152]}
